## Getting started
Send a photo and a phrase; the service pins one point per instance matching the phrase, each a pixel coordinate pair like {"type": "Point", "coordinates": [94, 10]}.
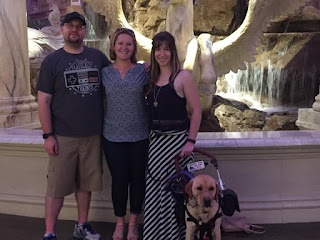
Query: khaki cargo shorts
{"type": "Point", "coordinates": [78, 165]}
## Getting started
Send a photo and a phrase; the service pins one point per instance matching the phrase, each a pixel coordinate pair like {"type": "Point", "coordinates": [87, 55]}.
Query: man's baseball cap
{"type": "Point", "coordinates": [73, 15]}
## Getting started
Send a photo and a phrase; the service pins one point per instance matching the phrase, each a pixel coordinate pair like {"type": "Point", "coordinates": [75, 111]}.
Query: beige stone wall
{"type": "Point", "coordinates": [275, 174]}
{"type": "Point", "coordinates": [214, 16]}
{"type": "Point", "coordinates": [218, 17]}
{"type": "Point", "coordinates": [148, 16]}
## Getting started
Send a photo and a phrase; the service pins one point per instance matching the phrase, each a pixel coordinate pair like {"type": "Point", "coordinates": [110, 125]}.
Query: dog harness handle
{"type": "Point", "coordinates": [213, 159]}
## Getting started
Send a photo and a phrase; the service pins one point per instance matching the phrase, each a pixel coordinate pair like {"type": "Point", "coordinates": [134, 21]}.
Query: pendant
{"type": "Point", "coordinates": [155, 104]}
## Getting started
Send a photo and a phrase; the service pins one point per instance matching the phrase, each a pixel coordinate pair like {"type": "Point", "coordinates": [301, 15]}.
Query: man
{"type": "Point", "coordinates": [70, 112]}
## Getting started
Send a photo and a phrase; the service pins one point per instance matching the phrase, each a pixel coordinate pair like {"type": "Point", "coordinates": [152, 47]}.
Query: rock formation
{"type": "Point", "coordinates": [230, 53]}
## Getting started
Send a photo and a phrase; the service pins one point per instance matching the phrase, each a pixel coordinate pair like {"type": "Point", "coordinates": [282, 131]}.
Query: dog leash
{"type": "Point", "coordinates": [176, 163]}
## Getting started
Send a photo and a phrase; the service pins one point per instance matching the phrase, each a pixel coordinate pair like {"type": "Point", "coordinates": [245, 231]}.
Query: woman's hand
{"type": "Point", "coordinates": [146, 66]}
{"type": "Point", "coordinates": [187, 149]}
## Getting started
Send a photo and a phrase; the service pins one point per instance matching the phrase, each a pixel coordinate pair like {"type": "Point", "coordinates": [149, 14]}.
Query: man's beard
{"type": "Point", "coordinates": [73, 40]}
{"type": "Point", "coordinates": [77, 41]}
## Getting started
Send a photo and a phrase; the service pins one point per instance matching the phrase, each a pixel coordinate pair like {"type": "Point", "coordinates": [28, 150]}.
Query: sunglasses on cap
{"type": "Point", "coordinates": [124, 30]}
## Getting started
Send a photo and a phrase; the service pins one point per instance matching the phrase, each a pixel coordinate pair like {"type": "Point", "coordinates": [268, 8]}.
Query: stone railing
{"type": "Point", "coordinates": [275, 175]}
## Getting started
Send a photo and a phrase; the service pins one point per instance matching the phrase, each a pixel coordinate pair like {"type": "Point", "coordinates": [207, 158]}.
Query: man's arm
{"type": "Point", "coordinates": [44, 102]}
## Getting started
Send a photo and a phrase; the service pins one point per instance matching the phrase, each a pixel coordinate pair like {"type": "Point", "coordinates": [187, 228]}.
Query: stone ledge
{"type": "Point", "coordinates": [276, 181]}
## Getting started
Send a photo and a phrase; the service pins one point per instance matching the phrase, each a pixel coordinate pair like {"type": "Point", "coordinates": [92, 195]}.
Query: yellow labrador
{"type": "Point", "coordinates": [203, 209]}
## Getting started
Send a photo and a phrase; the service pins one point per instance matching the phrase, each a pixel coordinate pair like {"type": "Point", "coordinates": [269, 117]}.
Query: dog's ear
{"type": "Point", "coordinates": [188, 188]}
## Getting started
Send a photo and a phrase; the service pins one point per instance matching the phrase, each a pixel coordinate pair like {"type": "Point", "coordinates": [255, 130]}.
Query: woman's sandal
{"type": "Point", "coordinates": [133, 231]}
{"type": "Point", "coordinates": [118, 232]}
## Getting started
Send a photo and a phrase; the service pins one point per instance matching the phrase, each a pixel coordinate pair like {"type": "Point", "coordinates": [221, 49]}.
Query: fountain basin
{"type": "Point", "coordinates": [275, 175]}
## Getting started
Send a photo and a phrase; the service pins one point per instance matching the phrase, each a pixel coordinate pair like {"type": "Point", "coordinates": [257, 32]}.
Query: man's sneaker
{"type": "Point", "coordinates": [50, 236]}
{"type": "Point", "coordinates": [84, 231]}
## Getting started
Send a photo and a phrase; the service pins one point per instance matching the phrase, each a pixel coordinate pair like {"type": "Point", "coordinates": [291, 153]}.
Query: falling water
{"type": "Point", "coordinates": [269, 87]}
{"type": "Point", "coordinates": [95, 23]}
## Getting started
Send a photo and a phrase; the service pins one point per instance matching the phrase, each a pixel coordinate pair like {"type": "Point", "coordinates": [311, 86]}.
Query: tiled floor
{"type": "Point", "coordinates": [26, 228]}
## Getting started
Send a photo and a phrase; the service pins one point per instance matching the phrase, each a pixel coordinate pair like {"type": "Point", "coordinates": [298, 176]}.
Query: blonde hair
{"type": "Point", "coordinates": [114, 38]}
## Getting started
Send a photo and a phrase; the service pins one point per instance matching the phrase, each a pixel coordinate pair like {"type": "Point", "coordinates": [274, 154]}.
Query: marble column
{"type": "Point", "coordinates": [309, 118]}
{"type": "Point", "coordinates": [17, 106]}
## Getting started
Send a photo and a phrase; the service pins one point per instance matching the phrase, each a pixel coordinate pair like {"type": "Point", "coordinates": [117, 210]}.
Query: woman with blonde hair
{"type": "Point", "coordinates": [125, 129]}
{"type": "Point", "coordinates": [170, 91]}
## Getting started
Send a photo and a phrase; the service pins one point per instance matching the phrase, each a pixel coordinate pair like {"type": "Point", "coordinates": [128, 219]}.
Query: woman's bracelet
{"type": "Point", "coordinates": [191, 140]}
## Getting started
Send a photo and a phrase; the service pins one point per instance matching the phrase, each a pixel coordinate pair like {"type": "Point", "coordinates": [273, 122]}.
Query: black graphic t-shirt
{"type": "Point", "coordinates": [74, 82]}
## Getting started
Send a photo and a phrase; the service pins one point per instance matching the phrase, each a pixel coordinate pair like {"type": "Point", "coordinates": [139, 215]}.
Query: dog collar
{"type": "Point", "coordinates": [204, 228]}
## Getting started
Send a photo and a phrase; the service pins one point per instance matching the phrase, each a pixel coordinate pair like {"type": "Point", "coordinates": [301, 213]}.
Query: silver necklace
{"type": "Point", "coordinates": [155, 103]}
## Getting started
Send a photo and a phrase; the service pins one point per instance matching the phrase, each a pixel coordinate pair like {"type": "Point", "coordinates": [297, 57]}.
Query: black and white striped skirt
{"type": "Point", "coordinates": [159, 217]}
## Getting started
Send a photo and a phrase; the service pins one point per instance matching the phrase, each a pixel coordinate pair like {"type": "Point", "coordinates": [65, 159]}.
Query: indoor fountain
{"type": "Point", "coordinates": [275, 173]}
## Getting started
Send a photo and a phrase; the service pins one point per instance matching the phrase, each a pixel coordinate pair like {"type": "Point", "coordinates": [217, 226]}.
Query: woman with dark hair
{"type": "Point", "coordinates": [170, 91]}
{"type": "Point", "coordinates": [125, 129]}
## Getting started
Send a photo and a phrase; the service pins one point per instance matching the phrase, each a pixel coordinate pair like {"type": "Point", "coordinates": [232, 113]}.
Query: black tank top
{"type": "Point", "coordinates": [167, 108]}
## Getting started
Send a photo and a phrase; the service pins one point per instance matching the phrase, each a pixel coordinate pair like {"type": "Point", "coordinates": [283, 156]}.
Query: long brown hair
{"type": "Point", "coordinates": [167, 39]}
{"type": "Point", "coordinates": [114, 38]}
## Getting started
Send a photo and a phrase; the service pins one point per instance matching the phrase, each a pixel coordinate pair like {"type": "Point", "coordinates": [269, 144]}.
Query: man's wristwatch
{"type": "Point", "coordinates": [46, 135]}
